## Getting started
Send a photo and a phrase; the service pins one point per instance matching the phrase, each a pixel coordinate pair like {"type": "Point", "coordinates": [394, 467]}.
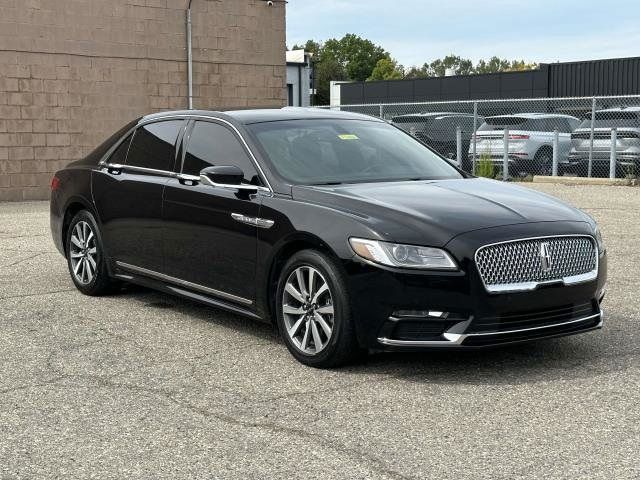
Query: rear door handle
{"type": "Point", "coordinates": [114, 168]}
{"type": "Point", "coordinates": [188, 179]}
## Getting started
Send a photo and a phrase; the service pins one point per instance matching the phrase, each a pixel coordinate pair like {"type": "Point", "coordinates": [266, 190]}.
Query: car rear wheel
{"type": "Point", "coordinates": [544, 161]}
{"type": "Point", "coordinates": [85, 256]}
{"type": "Point", "coordinates": [313, 312]}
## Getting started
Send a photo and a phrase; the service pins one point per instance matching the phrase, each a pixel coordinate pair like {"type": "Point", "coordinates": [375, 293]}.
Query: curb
{"type": "Point", "coordinates": [618, 182]}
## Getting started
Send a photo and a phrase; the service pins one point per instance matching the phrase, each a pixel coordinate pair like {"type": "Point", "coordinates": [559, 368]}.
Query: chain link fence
{"type": "Point", "coordinates": [518, 138]}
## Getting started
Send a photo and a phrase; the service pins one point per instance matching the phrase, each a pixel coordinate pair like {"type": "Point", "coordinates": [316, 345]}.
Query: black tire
{"type": "Point", "coordinates": [561, 170]}
{"type": "Point", "coordinates": [100, 283]}
{"type": "Point", "coordinates": [342, 346]}
{"type": "Point", "coordinates": [544, 161]}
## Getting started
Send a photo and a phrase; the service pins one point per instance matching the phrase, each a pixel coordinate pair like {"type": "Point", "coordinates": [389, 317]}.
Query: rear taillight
{"type": "Point", "coordinates": [55, 183]}
{"type": "Point", "coordinates": [518, 137]}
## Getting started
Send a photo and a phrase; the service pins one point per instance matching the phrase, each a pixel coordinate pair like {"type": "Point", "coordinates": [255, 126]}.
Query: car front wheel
{"type": "Point", "coordinates": [313, 311]}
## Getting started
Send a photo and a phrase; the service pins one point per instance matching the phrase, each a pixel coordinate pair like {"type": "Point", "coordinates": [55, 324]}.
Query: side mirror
{"type": "Point", "coordinates": [227, 175]}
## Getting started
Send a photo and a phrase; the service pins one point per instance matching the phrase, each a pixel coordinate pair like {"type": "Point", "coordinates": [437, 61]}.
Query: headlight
{"type": "Point", "coordinates": [599, 241]}
{"type": "Point", "coordinates": [406, 256]}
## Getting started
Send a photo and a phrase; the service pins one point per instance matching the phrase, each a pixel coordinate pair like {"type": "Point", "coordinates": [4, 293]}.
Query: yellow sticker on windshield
{"type": "Point", "coordinates": [348, 136]}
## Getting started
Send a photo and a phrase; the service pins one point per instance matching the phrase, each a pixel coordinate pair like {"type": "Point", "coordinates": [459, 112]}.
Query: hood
{"type": "Point", "coordinates": [433, 212]}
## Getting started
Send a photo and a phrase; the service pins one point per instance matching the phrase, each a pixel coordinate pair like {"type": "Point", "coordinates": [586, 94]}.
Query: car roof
{"type": "Point", "coordinates": [621, 109]}
{"type": "Point", "coordinates": [534, 115]}
{"type": "Point", "coordinates": [260, 115]}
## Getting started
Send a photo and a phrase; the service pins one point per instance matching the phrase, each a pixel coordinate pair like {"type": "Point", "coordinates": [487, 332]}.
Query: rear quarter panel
{"type": "Point", "coordinates": [74, 192]}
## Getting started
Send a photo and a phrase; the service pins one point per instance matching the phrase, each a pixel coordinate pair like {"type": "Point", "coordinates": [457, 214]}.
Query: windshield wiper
{"type": "Point", "coordinates": [327, 183]}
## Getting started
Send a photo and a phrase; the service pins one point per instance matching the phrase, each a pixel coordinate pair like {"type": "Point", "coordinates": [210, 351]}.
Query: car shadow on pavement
{"type": "Point", "coordinates": [155, 300]}
{"type": "Point", "coordinates": [580, 356]}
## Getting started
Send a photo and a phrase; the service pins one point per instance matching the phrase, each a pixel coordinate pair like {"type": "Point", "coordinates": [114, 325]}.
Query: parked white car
{"type": "Point", "coordinates": [626, 121]}
{"type": "Point", "coordinates": [530, 144]}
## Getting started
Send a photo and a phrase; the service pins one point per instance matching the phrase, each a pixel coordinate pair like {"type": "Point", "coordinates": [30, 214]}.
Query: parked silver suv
{"type": "Point", "coordinates": [626, 121]}
{"type": "Point", "coordinates": [530, 146]}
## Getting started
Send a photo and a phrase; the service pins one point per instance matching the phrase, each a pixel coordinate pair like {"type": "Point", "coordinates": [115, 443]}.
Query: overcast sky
{"type": "Point", "coordinates": [418, 31]}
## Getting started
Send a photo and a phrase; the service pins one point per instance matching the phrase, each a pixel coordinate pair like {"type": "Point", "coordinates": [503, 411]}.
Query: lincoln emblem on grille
{"type": "Point", "coordinates": [545, 257]}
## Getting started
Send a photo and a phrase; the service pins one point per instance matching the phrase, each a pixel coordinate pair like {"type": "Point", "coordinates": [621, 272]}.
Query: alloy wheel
{"type": "Point", "coordinates": [83, 252]}
{"type": "Point", "coordinates": [308, 310]}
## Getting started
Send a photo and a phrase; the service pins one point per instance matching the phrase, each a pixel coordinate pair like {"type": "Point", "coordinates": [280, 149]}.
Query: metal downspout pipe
{"type": "Point", "coordinates": [189, 57]}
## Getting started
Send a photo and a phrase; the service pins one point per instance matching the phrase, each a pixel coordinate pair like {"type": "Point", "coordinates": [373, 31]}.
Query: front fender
{"type": "Point", "coordinates": [301, 223]}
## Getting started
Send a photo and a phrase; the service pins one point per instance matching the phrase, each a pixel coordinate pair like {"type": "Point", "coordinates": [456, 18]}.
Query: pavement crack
{"type": "Point", "coordinates": [372, 462]}
{"type": "Point", "coordinates": [313, 392]}
{"type": "Point", "coordinates": [17, 262]}
{"type": "Point", "coordinates": [33, 385]}
{"type": "Point", "coordinates": [39, 294]}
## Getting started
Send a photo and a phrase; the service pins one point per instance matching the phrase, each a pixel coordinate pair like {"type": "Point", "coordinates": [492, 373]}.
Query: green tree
{"type": "Point", "coordinates": [418, 72]}
{"type": "Point", "coordinates": [357, 55]}
{"type": "Point", "coordinates": [387, 69]}
{"type": "Point", "coordinates": [496, 64]}
{"type": "Point", "coordinates": [520, 65]}
{"type": "Point", "coordinates": [348, 58]}
{"type": "Point", "coordinates": [461, 66]}
{"type": "Point", "coordinates": [326, 70]}
{"type": "Point", "coordinates": [310, 46]}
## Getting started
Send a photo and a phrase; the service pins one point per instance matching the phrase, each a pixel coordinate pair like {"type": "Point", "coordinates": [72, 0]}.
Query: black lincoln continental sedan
{"type": "Point", "coordinates": [345, 231]}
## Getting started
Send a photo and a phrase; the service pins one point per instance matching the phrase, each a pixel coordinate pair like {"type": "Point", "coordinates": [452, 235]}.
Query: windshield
{"type": "Point", "coordinates": [347, 151]}
{"type": "Point", "coordinates": [613, 120]}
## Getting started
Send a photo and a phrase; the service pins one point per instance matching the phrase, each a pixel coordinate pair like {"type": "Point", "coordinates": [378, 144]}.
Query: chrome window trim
{"type": "Point", "coordinates": [183, 283]}
{"type": "Point", "coordinates": [133, 168]}
{"type": "Point", "coordinates": [530, 286]}
{"type": "Point", "coordinates": [188, 116]}
{"type": "Point", "coordinates": [453, 338]}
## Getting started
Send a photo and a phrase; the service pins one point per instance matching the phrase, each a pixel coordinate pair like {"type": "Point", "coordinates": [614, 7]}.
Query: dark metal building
{"type": "Point", "coordinates": [618, 76]}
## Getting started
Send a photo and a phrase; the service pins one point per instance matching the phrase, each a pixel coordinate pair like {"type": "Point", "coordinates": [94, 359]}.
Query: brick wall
{"type": "Point", "coordinates": [74, 71]}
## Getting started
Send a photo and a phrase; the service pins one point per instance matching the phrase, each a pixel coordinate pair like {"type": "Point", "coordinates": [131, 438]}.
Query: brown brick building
{"type": "Point", "coordinates": [73, 71]}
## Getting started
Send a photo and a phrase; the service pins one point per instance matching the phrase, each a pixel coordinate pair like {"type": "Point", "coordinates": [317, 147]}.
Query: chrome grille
{"type": "Point", "coordinates": [523, 264]}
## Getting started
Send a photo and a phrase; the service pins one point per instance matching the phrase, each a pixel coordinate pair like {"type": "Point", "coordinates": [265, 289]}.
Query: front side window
{"type": "Point", "coordinates": [347, 151]}
{"type": "Point", "coordinates": [153, 145]}
{"type": "Point", "coordinates": [212, 144]}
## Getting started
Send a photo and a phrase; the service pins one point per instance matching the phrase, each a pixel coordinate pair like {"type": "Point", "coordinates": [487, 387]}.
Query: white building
{"type": "Point", "coordinates": [299, 78]}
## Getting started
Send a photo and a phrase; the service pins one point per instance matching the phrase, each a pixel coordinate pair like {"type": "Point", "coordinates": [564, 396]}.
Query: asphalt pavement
{"type": "Point", "coordinates": [145, 385]}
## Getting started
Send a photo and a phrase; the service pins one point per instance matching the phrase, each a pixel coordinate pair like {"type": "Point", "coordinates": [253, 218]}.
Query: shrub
{"type": "Point", "coordinates": [485, 167]}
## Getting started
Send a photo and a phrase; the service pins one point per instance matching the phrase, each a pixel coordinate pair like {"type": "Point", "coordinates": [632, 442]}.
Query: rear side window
{"type": "Point", "coordinates": [211, 144]}
{"type": "Point", "coordinates": [153, 145]}
{"type": "Point", "coordinates": [119, 156]}
{"type": "Point", "coordinates": [613, 119]}
{"type": "Point", "coordinates": [558, 123]}
{"type": "Point", "coordinates": [97, 154]}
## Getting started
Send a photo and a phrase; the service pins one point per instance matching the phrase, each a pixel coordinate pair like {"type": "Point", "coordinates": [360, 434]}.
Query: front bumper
{"type": "Point", "coordinates": [396, 310]}
{"type": "Point", "coordinates": [459, 335]}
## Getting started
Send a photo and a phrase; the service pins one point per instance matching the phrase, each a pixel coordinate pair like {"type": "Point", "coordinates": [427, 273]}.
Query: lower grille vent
{"type": "Point", "coordinates": [532, 319]}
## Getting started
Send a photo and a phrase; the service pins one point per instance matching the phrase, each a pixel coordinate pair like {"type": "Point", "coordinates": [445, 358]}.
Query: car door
{"type": "Point", "coordinates": [128, 194]}
{"type": "Point", "coordinates": [205, 243]}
